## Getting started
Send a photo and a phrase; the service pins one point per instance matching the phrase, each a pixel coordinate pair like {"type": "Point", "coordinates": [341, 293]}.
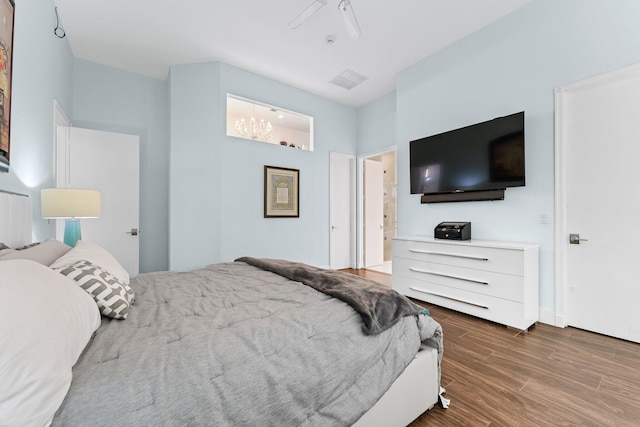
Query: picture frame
{"type": "Point", "coordinates": [7, 12]}
{"type": "Point", "coordinates": [281, 192]}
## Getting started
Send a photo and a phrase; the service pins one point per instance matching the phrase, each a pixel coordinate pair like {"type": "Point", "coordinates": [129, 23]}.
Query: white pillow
{"type": "Point", "coordinates": [88, 251]}
{"type": "Point", "coordinates": [45, 253]}
{"type": "Point", "coordinates": [46, 321]}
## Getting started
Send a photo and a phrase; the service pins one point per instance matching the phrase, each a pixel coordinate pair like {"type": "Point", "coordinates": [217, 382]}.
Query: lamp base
{"type": "Point", "coordinates": [72, 232]}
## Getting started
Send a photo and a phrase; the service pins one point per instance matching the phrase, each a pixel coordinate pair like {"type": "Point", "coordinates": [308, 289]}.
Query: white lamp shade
{"type": "Point", "coordinates": [70, 203]}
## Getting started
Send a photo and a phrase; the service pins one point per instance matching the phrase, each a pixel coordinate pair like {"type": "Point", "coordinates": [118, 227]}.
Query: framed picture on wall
{"type": "Point", "coordinates": [6, 62]}
{"type": "Point", "coordinates": [281, 192]}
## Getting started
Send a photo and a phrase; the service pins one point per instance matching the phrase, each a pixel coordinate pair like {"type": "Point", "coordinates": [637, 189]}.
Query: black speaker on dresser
{"type": "Point", "coordinates": [453, 231]}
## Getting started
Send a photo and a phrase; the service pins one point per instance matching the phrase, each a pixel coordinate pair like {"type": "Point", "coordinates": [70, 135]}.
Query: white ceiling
{"type": "Point", "coordinates": [147, 36]}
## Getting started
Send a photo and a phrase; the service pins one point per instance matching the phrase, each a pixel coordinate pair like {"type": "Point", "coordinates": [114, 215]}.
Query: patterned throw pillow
{"type": "Point", "coordinates": [112, 296]}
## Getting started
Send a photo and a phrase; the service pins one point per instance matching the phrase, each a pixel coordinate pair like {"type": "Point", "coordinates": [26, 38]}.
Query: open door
{"type": "Point", "coordinates": [110, 163]}
{"type": "Point", "coordinates": [373, 213]}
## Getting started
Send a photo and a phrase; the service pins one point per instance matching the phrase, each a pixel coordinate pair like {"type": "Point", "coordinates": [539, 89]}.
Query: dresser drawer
{"type": "Point", "coordinates": [462, 255]}
{"type": "Point", "coordinates": [471, 280]}
{"type": "Point", "coordinates": [487, 307]}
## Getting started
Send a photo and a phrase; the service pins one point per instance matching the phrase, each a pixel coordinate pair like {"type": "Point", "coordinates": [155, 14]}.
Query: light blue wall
{"type": "Point", "coordinates": [92, 96]}
{"type": "Point", "coordinates": [510, 66]}
{"type": "Point", "coordinates": [377, 125]}
{"type": "Point", "coordinates": [245, 231]}
{"type": "Point", "coordinates": [110, 99]}
{"type": "Point", "coordinates": [217, 181]}
{"type": "Point", "coordinates": [194, 173]}
{"type": "Point", "coordinates": [42, 72]}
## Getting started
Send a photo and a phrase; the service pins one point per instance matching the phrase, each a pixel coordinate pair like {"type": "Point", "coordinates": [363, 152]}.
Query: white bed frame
{"type": "Point", "coordinates": [414, 391]}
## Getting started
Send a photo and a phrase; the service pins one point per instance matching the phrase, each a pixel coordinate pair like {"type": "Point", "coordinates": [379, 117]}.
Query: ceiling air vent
{"type": "Point", "coordinates": [348, 79]}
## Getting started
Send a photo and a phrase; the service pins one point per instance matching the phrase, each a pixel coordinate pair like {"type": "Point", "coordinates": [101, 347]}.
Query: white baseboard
{"type": "Point", "coordinates": [549, 317]}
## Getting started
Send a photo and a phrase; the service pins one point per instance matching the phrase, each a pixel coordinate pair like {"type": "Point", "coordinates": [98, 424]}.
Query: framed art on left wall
{"type": "Point", "coordinates": [7, 10]}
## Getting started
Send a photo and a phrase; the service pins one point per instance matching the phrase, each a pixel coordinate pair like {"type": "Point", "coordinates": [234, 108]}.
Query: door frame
{"type": "Point", "coordinates": [561, 239]}
{"type": "Point", "coordinates": [360, 200]}
{"type": "Point", "coordinates": [61, 124]}
{"type": "Point", "coordinates": [60, 119]}
{"type": "Point", "coordinates": [352, 207]}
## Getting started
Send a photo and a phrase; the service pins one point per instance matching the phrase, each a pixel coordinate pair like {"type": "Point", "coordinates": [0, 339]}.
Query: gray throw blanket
{"type": "Point", "coordinates": [379, 306]}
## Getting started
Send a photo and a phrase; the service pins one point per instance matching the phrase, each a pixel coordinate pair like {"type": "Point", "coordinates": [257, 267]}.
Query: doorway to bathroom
{"type": "Point", "coordinates": [379, 210]}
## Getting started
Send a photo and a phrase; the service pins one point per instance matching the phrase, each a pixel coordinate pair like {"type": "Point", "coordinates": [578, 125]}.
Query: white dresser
{"type": "Point", "coordinates": [497, 281]}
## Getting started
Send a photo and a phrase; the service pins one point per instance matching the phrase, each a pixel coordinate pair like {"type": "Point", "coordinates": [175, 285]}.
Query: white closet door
{"type": "Point", "coordinates": [341, 210]}
{"type": "Point", "coordinates": [600, 134]}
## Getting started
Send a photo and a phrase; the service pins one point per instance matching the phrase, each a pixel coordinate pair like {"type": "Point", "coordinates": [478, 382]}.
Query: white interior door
{"type": "Point", "coordinates": [373, 213]}
{"type": "Point", "coordinates": [108, 162]}
{"type": "Point", "coordinates": [341, 206]}
{"type": "Point", "coordinates": [600, 138]}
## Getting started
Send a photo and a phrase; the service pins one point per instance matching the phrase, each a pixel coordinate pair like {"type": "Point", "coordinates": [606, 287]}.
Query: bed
{"type": "Point", "coordinates": [249, 342]}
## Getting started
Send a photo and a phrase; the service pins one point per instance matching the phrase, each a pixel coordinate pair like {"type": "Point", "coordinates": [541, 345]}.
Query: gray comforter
{"type": "Point", "coordinates": [233, 345]}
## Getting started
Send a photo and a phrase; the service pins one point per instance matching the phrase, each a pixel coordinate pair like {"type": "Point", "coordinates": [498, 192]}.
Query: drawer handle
{"type": "Point", "coordinates": [419, 270]}
{"type": "Point", "coordinates": [418, 251]}
{"type": "Point", "coordinates": [449, 298]}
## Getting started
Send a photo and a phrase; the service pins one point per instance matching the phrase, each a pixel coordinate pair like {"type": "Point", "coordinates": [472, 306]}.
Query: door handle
{"type": "Point", "coordinates": [133, 232]}
{"type": "Point", "coordinates": [575, 239]}
{"type": "Point", "coordinates": [333, 227]}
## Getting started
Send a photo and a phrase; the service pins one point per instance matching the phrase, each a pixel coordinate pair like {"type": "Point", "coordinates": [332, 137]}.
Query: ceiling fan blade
{"type": "Point", "coordinates": [349, 17]}
{"type": "Point", "coordinates": [306, 14]}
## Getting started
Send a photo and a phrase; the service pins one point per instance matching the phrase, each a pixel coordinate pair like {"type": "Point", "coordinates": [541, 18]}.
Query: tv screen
{"type": "Point", "coordinates": [483, 156]}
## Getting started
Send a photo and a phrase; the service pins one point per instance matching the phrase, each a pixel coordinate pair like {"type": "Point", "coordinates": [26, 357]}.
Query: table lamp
{"type": "Point", "coordinates": [71, 204]}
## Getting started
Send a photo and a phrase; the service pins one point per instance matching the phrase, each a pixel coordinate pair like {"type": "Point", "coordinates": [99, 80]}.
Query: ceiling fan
{"type": "Point", "coordinates": [345, 8]}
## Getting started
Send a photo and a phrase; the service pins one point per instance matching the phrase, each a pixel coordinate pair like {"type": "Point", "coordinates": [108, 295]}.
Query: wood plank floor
{"type": "Point", "coordinates": [497, 376]}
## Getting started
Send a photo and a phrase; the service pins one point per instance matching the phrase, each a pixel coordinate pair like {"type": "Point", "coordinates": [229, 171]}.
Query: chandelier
{"type": "Point", "coordinates": [256, 130]}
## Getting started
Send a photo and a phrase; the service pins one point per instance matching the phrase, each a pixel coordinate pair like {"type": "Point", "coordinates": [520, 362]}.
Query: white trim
{"type": "Point", "coordinates": [360, 200]}
{"type": "Point", "coordinates": [60, 118]}
{"type": "Point", "coordinates": [59, 158]}
{"type": "Point", "coordinates": [385, 150]}
{"type": "Point", "coordinates": [548, 317]}
{"type": "Point", "coordinates": [604, 78]}
{"type": "Point", "coordinates": [560, 212]}
{"type": "Point", "coordinates": [59, 115]}
{"type": "Point", "coordinates": [560, 317]}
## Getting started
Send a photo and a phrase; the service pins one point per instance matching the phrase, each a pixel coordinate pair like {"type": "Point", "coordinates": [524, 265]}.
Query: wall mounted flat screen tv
{"type": "Point", "coordinates": [484, 156]}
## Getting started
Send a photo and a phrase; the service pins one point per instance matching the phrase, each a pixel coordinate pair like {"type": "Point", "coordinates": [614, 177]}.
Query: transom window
{"type": "Point", "coordinates": [254, 120]}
